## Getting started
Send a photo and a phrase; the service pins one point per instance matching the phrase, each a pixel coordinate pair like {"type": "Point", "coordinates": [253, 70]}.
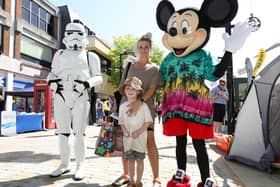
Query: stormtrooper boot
{"type": "Point", "coordinates": [80, 149]}
{"type": "Point", "coordinates": [64, 149]}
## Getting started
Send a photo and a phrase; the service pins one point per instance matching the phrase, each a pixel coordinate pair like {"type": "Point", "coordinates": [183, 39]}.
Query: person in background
{"type": "Point", "coordinates": [99, 111]}
{"type": "Point", "coordinates": [149, 74]}
{"type": "Point", "coordinates": [220, 97]}
{"type": "Point", "coordinates": [20, 105]}
{"type": "Point", "coordinates": [2, 103]}
{"type": "Point", "coordinates": [134, 129]}
{"type": "Point", "coordinates": [106, 108]}
{"type": "Point", "coordinates": [158, 108]}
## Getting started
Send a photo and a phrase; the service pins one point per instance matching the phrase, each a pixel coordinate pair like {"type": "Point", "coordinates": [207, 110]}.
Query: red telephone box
{"type": "Point", "coordinates": [43, 102]}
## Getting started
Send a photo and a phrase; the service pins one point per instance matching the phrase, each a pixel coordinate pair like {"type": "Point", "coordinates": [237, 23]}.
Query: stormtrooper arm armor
{"type": "Point", "coordinates": [95, 70]}
{"type": "Point", "coordinates": [95, 74]}
{"type": "Point", "coordinates": [53, 80]}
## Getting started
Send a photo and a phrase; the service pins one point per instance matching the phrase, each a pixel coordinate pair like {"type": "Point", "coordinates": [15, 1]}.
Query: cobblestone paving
{"type": "Point", "coordinates": [26, 160]}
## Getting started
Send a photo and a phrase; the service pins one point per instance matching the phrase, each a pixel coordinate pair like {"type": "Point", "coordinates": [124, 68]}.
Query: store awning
{"type": "Point", "coordinates": [17, 84]}
{"type": "Point", "coordinates": [25, 92]}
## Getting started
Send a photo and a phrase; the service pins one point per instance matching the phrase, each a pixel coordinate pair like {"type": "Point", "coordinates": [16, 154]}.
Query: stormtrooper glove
{"type": "Point", "coordinates": [56, 85]}
{"type": "Point", "coordinates": [81, 86]}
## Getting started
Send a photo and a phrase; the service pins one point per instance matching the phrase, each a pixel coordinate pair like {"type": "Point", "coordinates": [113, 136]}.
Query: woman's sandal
{"type": "Point", "coordinates": [140, 184]}
{"type": "Point", "coordinates": [156, 183]}
{"type": "Point", "coordinates": [131, 184]}
{"type": "Point", "coordinates": [122, 180]}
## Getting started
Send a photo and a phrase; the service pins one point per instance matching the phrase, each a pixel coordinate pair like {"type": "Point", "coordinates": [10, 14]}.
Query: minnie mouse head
{"type": "Point", "coordinates": [188, 29]}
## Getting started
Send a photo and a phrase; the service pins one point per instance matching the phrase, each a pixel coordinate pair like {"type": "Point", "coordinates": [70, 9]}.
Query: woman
{"type": "Point", "coordinates": [148, 73]}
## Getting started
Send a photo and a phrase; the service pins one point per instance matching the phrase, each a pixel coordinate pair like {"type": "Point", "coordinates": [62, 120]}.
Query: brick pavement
{"type": "Point", "coordinates": [27, 159]}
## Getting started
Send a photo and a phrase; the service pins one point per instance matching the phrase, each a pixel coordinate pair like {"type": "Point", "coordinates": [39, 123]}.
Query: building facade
{"type": "Point", "coordinates": [30, 33]}
{"type": "Point", "coordinates": [29, 38]}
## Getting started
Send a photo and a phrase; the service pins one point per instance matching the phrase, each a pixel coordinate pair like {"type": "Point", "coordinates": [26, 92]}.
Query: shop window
{"type": "Point", "coordinates": [2, 4]}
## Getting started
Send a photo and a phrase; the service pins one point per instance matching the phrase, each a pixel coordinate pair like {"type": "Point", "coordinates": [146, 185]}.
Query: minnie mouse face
{"type": "Point", "coordinates": [183, 35]}
{"type": "Point", "coordinates": [188, 29]}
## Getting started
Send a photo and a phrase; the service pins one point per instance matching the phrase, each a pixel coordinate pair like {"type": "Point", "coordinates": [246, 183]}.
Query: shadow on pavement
{"type": "Point", "coordinates": [43, 180]}
{"type": "Point", "coordinates": [40, 136]}
{"type": "Point", "coordinates": [26, 157]}
{"type": "Point", "coordinates": [216, 149]}
{"type": "Point", "coordinates": [35, 181]}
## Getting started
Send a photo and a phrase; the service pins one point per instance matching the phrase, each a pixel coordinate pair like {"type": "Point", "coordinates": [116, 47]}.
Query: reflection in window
{"type": "Point", "coordinates": [37, 16]}
{"type": "Point", "coordinates": [35, 52]}
{"type": "Point", "coordinates": [26, 10]}
{"type": "Point", "coordinates": [43, 18]}
{"type": "Point", "coordinates": [2, 5]}
{"type": "Point", "coordinates": [40, 101]}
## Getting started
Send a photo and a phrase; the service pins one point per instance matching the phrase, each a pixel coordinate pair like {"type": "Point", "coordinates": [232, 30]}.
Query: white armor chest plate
{"type": "Point", "coordinates": [70, 66]}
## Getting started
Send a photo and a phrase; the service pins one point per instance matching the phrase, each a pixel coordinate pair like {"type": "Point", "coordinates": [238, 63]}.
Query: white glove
{"type": "Point", "coordinates": [80, 86]}
{"type": "Point", "coordinates": [238, 36]}
{"type": "Point", "coordinates": [55, 85]}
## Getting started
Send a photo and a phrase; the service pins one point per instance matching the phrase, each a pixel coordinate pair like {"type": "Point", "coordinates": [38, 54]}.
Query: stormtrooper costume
{"type": "Point", "coordinates": [74, 72]}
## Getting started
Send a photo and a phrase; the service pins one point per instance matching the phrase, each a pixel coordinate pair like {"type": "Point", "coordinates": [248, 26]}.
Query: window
{"type": "Point", "coordinates": [35, 52]}
{"type": "Point", "coordinates": [50, 23]}
{"type": "Point", "coordinates": [89, 32]}
{"type": "Point", "coordinates": [26, 10]}
{"type": "Point", "coordinates": [43, 18]}
{"type": "Point", "coordinates": [2, 4]}
{"type": "Point", "coordinates": [37, 16]}
{"type": "Point", "coordinates": [105, 65]}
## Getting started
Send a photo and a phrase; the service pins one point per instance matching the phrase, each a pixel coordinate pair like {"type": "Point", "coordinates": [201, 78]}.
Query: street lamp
{"type": "Point", "coordinates": [125, 52]}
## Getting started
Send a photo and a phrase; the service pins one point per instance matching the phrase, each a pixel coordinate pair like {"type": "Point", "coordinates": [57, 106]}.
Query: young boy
{"type": "Point", "coordinates": [134, 129]}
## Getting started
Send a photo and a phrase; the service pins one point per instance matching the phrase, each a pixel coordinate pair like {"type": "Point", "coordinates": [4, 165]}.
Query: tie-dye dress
{"type": "Point", "coordinates": [186, 104]}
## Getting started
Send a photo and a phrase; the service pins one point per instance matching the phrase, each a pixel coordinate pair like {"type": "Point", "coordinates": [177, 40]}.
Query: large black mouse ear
{"type": "Point", "coordinates": [219, 12]}
{"type": "Point", "coordinates": [164, 11]}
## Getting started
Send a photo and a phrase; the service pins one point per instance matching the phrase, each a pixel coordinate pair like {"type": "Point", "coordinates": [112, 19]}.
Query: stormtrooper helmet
{"type": "Point", "coordinates": [75, 37]}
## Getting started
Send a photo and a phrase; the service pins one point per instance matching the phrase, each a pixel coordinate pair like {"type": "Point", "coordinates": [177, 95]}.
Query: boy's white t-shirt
{"type": "Point", "coordinates": [133, 123]}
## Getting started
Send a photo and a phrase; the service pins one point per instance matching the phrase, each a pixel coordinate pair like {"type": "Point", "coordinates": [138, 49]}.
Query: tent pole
{"type": "Point", "coordinates": [230, 104]}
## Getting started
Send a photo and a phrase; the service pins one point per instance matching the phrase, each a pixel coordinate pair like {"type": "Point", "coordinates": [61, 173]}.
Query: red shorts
{"type": "Point", "coordinates": [179, 127]}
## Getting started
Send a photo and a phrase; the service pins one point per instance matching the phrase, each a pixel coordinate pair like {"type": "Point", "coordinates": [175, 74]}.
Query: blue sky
{"type": "Point", "coordinates": [110, 18]}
